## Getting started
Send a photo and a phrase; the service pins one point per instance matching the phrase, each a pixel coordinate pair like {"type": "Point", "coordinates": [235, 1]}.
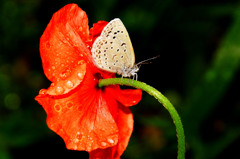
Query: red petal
{"type": "Point", "coordinates": [128, 97]}
{"type": "Point", "coordinates": [62, 43]}
{"type": "Point", "coordinates": [67, 84]}
{"type": "Point", "coordinates": [125, 126]}
{"type": "Point", "coordinates": [107, 153]}
{"type": "Point", "coordinates": [96, 30]}
{"type": "Point", "coordinates": [82, 118]}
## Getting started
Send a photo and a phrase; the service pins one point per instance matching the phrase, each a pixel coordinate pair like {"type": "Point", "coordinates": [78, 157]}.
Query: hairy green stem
{"type": "Point", "coordinates": [161, 98]}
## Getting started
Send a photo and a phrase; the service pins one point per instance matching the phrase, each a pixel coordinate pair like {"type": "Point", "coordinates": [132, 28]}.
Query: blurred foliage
{"type": "Point", "coordinates": [198, 70]}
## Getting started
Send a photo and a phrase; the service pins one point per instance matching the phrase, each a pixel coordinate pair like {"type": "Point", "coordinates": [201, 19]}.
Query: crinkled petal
{"type": "Point", "coordinates": [125, 126]}
{"type": "Point", "coordinates": [82, 117]}
{"type": "Point", "coordinates": [62, 44]}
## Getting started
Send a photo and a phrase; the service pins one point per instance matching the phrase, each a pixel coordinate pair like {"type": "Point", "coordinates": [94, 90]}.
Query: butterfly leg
{"type": "Point", "coordinates": [135, 76]}
{"type": "Point", "coordinates": [121, 78]}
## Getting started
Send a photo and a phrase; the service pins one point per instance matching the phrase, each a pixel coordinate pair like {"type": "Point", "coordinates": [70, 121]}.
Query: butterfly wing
{"type": "Point", "coordinates": [112, 51]}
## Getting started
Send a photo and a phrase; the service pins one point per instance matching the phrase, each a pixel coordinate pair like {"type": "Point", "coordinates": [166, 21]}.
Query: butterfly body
{"type": "Point", "coordinates": [112, 51]}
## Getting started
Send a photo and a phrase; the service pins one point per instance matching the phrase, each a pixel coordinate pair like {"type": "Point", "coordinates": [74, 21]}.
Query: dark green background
{"type": "Point", "coordinates": [198, 70]}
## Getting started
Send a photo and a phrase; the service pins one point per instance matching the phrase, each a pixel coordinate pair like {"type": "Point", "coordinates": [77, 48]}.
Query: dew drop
{"type": "Point", "coordinates": [103, 144]}
{"type": "Point", "coordinates": [53, 67]}
{"type": "Point", "coordinates": [80, 62]}
{"type": "Point", "coordinates": [69, 84]}
{"type": "Point", "coordinates": [52, 84]}
{"type": "Point", "coordinates": [110, 141]}
{"type": "Point", "coordinates": [75, 140]}
{"type": "Point", "coordinates": [42, 91]}
{"type": "Point", "coordinates": [70, 105]}
{"type": "Point", "coordinates": [57, 107]}
{"type": "Point", "coordinates": [81, 55]}
{"type": "Point", "coordinates": [65, 74]}
{"type": "Point", "coordinates": [59, 90]}
{"type": "Point", "coordinates": [80, 107]}
{"type": "Point", "coordinates": [80, 76]}
{"type": "Point", "coordinates": [134, 102]}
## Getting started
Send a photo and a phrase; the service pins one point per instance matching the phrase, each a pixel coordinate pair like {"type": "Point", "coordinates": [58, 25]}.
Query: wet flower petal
{"type": "Point", "coordinates": [62, 43]}
{"type": "Point", "coordinates": [87, 123]}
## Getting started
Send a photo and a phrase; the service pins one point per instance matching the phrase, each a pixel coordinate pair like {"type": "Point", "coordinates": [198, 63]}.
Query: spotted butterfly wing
{"type": "Point", "coordinates": [112, 51]}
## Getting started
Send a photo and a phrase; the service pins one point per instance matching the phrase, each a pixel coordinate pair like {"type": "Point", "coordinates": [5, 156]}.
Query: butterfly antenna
{"type": "Point", "coordinates": [144, 61]}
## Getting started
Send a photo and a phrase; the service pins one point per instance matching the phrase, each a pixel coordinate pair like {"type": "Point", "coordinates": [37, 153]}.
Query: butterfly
{"type": "Point", "coordinates": [112, 51]}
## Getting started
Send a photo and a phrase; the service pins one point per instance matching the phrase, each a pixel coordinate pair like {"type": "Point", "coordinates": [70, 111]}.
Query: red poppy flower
{"type": "Point", "coordinates": [85, 116]}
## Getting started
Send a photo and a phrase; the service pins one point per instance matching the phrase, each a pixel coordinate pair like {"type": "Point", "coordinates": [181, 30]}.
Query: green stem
{"type": "Point", "coordinates": [161, 98]}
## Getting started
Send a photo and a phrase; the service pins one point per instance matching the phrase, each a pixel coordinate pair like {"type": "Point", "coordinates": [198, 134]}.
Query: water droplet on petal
{"type": "Point", "coordinates": [111, 141]}
{"type": "Point", "coordinates": [80, 76]}
{"type": "Point", "coordinates": [70, 105]}
{"type": "Point", "coordinates": [52, 84]}
{"type": "Point", "coordinates": [57, 107]}
{"type": "Point", "coordinates": [80, 107]}
{"type": "Point", "coordinates": [134, 102]}
{"type": "Point", "coordinates": [81, 55]}
{"type": "Point", "coordinates": [103, 144]}
{"type": "Point", "coordinates": [69, 84]}
{"type": "Point", "coordinates": [75, 140]}
{"type": "Point", "coordinates": [42, 91]}
{"type": "Point", "coordinates": [53, 67]}
{"type": "Point", "coordinates": [59, 90]}
{"type": "Point", "coordinates": [81, 62]}
{"type": "Point", "coordinates": [65, 74]}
